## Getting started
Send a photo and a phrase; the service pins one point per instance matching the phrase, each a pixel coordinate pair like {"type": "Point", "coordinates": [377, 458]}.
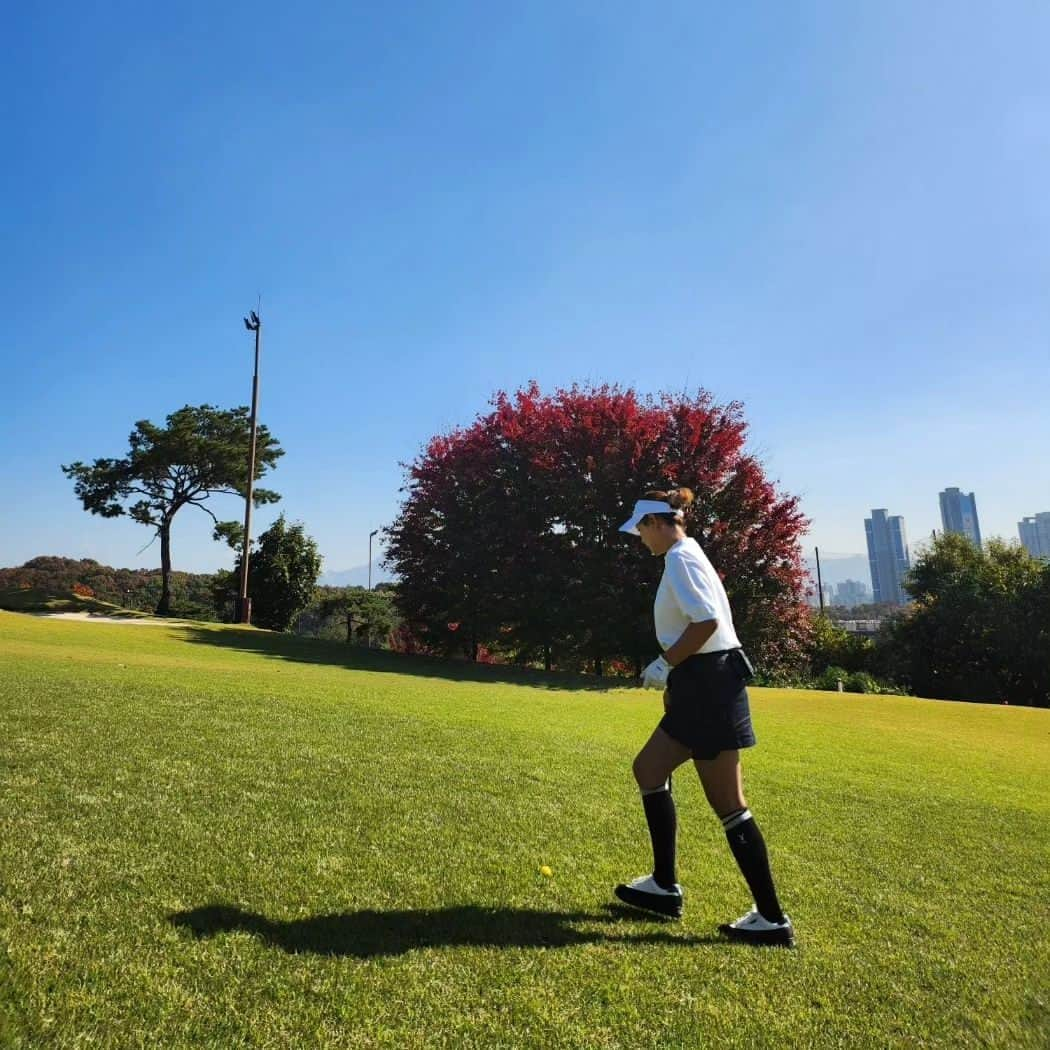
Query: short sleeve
{"type": "Point", "coordinates": [691, 589]}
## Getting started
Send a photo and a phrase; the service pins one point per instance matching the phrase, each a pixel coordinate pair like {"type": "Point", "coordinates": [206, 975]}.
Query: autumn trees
{"type": "Point", "coordinates": [507, 536]}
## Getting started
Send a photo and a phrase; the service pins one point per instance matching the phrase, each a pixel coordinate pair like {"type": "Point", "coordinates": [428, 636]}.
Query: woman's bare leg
{"type": "Point", "coordinates": [658, 759]}
{"type": "Point", "coordinates": [723, 782]}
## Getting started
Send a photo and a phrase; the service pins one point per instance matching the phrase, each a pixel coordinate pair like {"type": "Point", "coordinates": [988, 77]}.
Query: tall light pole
{"type": "Point", "coordinates": [244, 603]}
{"type": "Point", "coordinates": [370, 535]}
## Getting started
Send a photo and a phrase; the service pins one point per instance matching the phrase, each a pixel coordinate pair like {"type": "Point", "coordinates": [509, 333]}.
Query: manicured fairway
{"type": "Point", "coordinates": [218, 837]}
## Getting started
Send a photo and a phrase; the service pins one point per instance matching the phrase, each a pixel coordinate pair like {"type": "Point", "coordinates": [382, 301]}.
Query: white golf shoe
{"type": "Point", "coordinates": [646, 893]}
{"type": "Point", "coordinates": [752, 928]}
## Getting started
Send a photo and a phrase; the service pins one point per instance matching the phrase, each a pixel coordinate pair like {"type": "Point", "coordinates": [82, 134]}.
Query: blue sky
{"type": "Point", "coordinates": [836, 213]}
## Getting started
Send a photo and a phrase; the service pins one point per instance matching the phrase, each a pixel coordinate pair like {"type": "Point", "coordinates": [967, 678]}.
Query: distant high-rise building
{"type": "Point", "coordinates": [887, 556]}
{"type": "Point", "coordinates": [850, 593]}
{"type": "Point", "coordinates": [1035, 534]}
{"type": "Point", "coordinates": [959, 514]}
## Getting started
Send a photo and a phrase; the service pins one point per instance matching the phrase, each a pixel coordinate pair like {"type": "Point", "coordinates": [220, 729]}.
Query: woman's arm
{"type": "Point", "coordinates": [693, 638]}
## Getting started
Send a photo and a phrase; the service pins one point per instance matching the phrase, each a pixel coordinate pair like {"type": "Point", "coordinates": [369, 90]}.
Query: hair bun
{"type": "Point", "coordinates": [680, 498]}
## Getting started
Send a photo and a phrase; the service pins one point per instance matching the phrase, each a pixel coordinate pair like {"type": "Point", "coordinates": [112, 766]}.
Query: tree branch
{"type": "Point", "coordinates": [151, 542]}
{"type": "Point", "coordinates": [206, 510]}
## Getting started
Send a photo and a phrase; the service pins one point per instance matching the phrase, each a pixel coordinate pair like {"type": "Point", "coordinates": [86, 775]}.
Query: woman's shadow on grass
{"type": "Point", "coordinates": [299, 649]}
{"type": "Point", "coordinates": [366, 934]}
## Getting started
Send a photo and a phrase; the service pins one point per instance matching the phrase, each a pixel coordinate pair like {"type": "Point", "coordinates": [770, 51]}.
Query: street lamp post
{"type": "Point", "coordinates": [244, 603]}
{"type": "Point", "coordinates": [370, 535]}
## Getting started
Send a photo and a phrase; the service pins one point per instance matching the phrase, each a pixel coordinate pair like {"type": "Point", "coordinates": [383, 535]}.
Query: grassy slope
{"type": "Point", "coordinates": [36, 600]}
{"type": "Point", "coordinates": [368, 843]}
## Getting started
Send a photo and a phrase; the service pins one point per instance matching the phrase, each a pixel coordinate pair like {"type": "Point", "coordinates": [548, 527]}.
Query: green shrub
{"type": "Point", "coordinates": [862, 682]}
{"type": "Point", "coordinates": [832, 647]}
{"type": "Point", "coordinates": [830, 677]}
{"type": "Point", "coordinates": [852, 682]}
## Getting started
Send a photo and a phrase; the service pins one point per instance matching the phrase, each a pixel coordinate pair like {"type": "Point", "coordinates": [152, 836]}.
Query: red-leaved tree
{"type": "Point", "coordinates": [509, 528]}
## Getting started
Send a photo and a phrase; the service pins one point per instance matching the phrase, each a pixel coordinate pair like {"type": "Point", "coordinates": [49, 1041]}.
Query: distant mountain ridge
{"type": "Point", "coordinates": [356, 577]}
{"type": "Point", "coordinates": [836, 570]}
{"type": "Point", "coordinates": [56, 572]}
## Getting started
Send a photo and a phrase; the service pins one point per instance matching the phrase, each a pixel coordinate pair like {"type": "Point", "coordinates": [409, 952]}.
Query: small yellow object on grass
{"type": "Point", "coordinates": [544, 870]}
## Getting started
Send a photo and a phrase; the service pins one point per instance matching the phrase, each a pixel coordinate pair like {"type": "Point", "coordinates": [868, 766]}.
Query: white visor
{"type": "Point", "coordinates": [647, 506]}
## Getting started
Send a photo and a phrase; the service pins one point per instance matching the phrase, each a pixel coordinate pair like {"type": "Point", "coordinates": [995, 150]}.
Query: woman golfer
{"type": "Point", "coordinates": [704, 675]}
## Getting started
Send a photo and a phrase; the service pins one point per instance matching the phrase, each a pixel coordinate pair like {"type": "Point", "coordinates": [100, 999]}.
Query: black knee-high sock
{"type": "Point", "coordinates": [663, 828]}
{"type": "Point", "coordinates": [749, 849]}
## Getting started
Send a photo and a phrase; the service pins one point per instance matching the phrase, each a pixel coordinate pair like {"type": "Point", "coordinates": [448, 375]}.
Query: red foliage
{"type": "Point", "coordinates": [509, 527]}
{"type": "Point", "coordinates": [83, 590]}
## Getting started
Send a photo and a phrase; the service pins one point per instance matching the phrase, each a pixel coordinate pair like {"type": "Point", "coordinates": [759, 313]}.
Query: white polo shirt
{"type": "Point", "coordinates": [690, 591]}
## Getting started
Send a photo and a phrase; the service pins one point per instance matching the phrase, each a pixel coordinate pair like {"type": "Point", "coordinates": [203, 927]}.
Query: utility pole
{"type": "Point", "coordinates": [244, 602]}
{"type": "Point", "coordinates": [820, 582]}
{"type": "Point", "coordinates": [370, 535]}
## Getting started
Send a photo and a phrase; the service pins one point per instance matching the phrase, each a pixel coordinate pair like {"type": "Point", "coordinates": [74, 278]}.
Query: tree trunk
{"type": "Point", "coordinates": [547, 658]}
{"type": "Point", "coordinates": [164, 605]}
{"type": "Point", "coordinates": [598, 666]}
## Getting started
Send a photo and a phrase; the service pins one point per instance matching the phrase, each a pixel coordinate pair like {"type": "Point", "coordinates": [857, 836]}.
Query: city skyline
{"type": "Point", "coordinates": [958, 512]}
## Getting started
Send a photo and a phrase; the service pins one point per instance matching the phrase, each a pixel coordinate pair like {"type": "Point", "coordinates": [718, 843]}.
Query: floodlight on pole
{"type": "Point", "coordinates": [244, 602]}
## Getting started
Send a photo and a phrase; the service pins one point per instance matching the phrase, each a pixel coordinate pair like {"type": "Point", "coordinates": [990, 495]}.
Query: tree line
{"type": "Point", "coordinates": [977, 628]}
{"type": "Point", "coordinates": [506, 547]}
{"type": "Point", "coordinates": [348, 613]}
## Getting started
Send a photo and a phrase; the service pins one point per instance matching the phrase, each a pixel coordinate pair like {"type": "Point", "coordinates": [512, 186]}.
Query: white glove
{"type": "Point", "coordinates": [655, 675]}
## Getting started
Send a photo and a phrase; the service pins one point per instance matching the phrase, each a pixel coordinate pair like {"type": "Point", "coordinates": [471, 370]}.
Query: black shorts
{"type": "Point", "coordinates": [708, 709]}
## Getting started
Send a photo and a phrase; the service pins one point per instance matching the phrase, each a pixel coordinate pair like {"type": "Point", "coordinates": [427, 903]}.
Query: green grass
{"type": "Point", "coordinates": [218, 837]}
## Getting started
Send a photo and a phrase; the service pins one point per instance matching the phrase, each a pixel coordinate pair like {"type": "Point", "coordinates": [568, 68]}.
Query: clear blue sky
{"type": "Point", "coordinates": [837, 213]}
